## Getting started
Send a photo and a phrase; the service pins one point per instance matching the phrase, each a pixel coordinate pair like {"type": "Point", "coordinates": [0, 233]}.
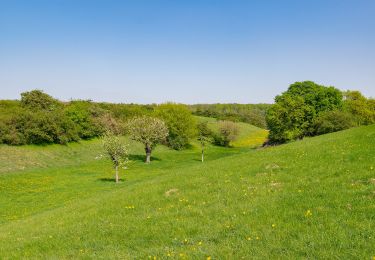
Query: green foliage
{"type": "Point", "coordinates": [40, 119]}
{"type": "Point", "coordinates": [88, 116]}
{"type": "Point", "coordinates": [333, 121]}
{"type": "Point", "coordinates": [360, 107]}
{"type": "Point", "coordinates": [180, 122]}
{"type": "Point", "coordinates": [293, 114]}
{"type": "Point", "coordinates": [38, 100]}
{"type": "Point", "coordinates": [204, 132]}
{"type": "Point", "coordinates": [249, 113]}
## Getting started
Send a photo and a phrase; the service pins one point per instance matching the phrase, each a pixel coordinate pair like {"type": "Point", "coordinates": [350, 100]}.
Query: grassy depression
{"type": "Point", "coordinates": [308, 199]}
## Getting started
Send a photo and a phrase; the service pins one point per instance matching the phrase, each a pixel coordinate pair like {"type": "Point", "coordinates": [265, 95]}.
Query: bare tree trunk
{"type": "Point", "coordinates": [202, 154]}
{"type": "Point", "coordinates": [116, 174]}
{"type": "Point", "coordinates": [148, 154]}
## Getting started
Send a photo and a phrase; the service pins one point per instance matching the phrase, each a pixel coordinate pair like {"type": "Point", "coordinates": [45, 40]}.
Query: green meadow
{"type": "Point", "coordinates": [307, 199]}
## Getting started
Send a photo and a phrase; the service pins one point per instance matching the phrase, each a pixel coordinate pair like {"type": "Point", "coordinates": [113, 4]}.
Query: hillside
{"type": "Point", "coordinates": [307, 199]}
{"type": "Point", "coordinates": [249, 135]}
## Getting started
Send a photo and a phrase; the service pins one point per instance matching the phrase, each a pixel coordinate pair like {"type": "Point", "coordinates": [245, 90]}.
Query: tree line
{"type": "Point", "coordinates": [254, 114]}
{"type": "Point", "coordinates": [38, 118]}
{"type": "Point", "coordinates": [310, 109]}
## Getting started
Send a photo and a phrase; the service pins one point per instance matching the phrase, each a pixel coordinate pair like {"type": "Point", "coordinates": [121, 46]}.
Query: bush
{"type": "Point", "coordinates": [333, 121]}
{"type": "Point", "coordinates": [228, 132]}
{"type": "Point", "coordinates": [91, 120]}
{"type": "Point", "coordinates": [180, 122]}
{"type": "Point", "coordinates": [38, 100]}
{"type": "Point", "coordinates": [360, 107]}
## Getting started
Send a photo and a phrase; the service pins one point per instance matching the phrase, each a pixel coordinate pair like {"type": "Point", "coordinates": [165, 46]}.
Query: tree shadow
{"type": "Point", "coordinates": [142, 158]}
{"type": "Point", "coordinates": [110, 180]}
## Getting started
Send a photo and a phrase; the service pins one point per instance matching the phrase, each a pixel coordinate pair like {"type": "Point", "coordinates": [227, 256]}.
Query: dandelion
{"type": "Point", "coordinates": [308, 213]}
{"type": "Point", "coordinates": [273, 225]}
{"type": "Point", "coordinates": [248, 238]}
{"type": "Point", "coordinates": [257, 238]}
{"type": "Point", "coordinates": [200, 243]}
{"type": "Point", "coordinates": [208, 258]}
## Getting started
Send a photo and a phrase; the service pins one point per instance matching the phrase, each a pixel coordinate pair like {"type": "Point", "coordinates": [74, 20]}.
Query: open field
{"type": "Point", "coordinates": [308, 199]}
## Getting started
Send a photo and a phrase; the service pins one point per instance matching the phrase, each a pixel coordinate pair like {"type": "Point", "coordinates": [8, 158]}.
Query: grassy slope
{"type": "Point", "coordinates": [252, 203]}
{"type": "Point", "coordinates": [249, 135]}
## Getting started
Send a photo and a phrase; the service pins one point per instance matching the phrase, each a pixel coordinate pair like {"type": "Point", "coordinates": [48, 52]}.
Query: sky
{"type": "Point", "coordinates": [193, 51]}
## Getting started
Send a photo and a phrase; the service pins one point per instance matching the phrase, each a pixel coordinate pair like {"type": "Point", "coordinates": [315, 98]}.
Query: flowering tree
{"type": "Point", "coordinates": [149, 131]}
{"type": "Point", "coordinates": [117, 151]}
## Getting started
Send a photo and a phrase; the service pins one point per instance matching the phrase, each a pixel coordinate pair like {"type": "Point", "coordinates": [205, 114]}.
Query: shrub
{"type": "Point", "coordinates": [333, 121]}
{"type": "Point", "coordinates": [86, 116]}
{"type": "Point", "coordinates": [38, 100]}
{"type": "Point", "coordinates": [180, 122]}
{"type": "Point", "coordinates": [360, 107]}
{"type": "Point", "coordinates": [228, 132]}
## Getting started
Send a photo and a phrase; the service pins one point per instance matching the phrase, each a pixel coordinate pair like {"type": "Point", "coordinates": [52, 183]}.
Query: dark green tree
{"type": "Point", "coordinates": [294, 111]}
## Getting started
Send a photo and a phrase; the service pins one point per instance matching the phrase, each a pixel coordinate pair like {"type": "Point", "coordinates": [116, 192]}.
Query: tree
{"type": "Point", "coordinates": [228, 132]}
{"type": "Point", "coordinates": [204, 135]}
{"type": "Point", "coordinates": [360, 107]}
{"type": "Point", "coordinates": [180, 122]}
{"type": "Point", "coordinates": [149, 131]}
{"type": "Point", "coordinates": [293, 114]}
{"type": "Point", "coordinates": [117, 151]}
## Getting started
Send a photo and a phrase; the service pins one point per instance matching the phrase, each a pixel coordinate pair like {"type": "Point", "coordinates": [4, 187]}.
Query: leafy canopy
{"type": "Point", "coordinates": [147, 130]}
{"type": "Point", "coordinates": [292, 116]}
{"type": "Point", "coordinates": [180, 122]}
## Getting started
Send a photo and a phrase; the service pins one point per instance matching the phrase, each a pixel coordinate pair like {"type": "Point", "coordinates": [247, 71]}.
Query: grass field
{"type": "Point", "coordinates": [308, 199]}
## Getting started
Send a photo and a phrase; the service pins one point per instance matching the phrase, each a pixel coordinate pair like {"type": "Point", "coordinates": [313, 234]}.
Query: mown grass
{"type": "Point", "coordinates": [308, 199]}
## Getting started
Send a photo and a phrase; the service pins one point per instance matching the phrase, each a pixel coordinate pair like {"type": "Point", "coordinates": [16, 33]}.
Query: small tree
{"type": "Point", "coordinates": [117, 151]}
{"type": "Point", "coordinates": [204, 135]}
{"type": "Point", "coordinates": [228, 132]}
{"type": "Point", "coordinates": [149, 131]}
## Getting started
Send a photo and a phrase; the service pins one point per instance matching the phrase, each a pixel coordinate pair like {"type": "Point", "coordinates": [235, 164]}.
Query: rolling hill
{"type": "Point", "coordinates": [307, 199]}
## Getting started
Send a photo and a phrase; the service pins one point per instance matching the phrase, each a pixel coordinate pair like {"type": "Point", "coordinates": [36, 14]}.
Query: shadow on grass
{"type": "Point", "coordinates": [110, 180]}
{"type": "Point", "coordinates": [142, 158]}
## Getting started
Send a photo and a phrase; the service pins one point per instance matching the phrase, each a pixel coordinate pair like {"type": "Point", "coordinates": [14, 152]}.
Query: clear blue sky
{"type": "Point", "coordinates": [184, 51]}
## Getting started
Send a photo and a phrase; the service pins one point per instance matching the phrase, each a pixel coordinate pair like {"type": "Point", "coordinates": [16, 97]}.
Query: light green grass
{"type": "Point", "coordinates": [249, 135]}
{"type": "Point", "coordinates": [308, 199]}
